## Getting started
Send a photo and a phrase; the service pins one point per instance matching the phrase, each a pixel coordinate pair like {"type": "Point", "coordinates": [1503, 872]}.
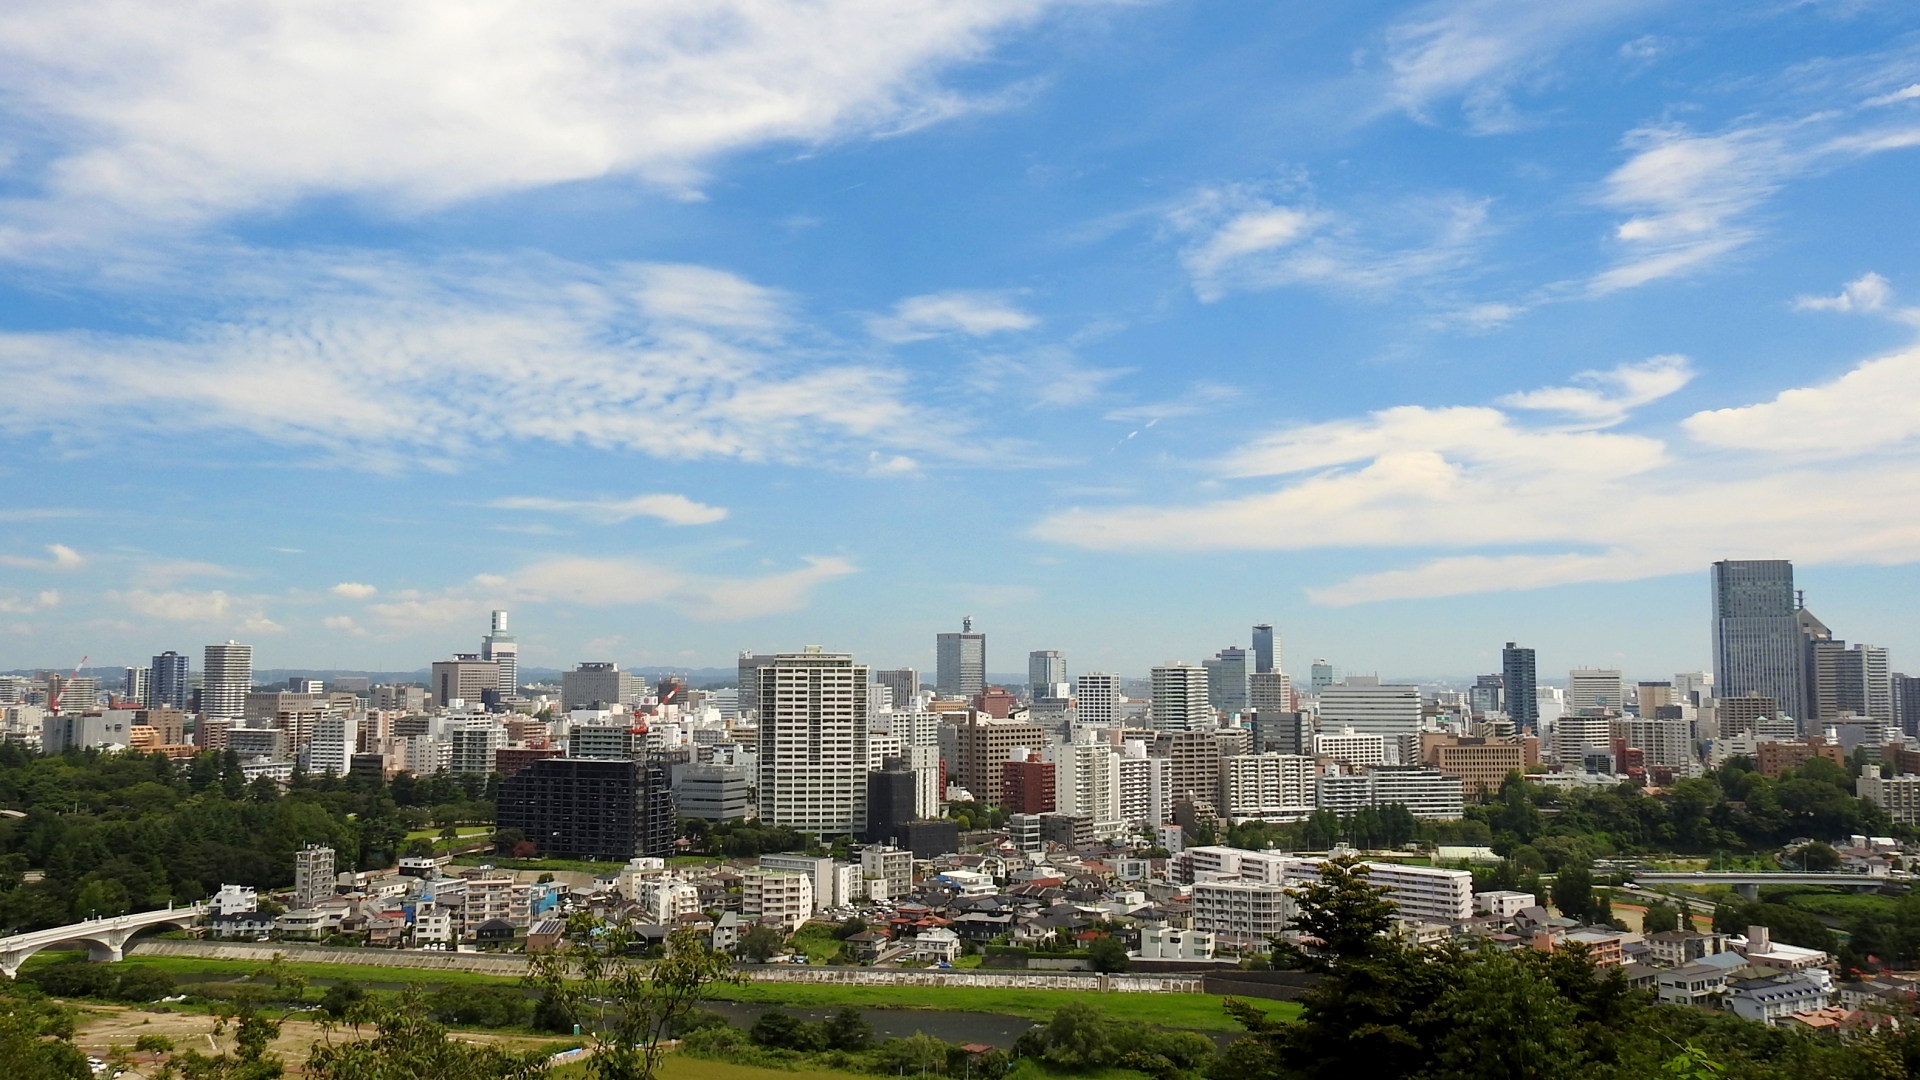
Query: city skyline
{"type": "Point", "coordinates": [1411, 330]}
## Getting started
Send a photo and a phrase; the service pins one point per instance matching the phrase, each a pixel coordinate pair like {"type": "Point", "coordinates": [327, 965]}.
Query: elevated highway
{"type": "Point", "coordinates": [1747, 884]}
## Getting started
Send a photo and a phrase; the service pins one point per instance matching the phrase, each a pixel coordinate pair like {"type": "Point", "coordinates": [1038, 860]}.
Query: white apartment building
{"type": "Point", "coordinates": [667, 900]}
{"type": "Point", "coordinates": [1343, 793]}
{"type": "Point", "coordinates": [1666, 743]}
{"type": "Point", "coordinates": [827, 892]}
{"type": "Point", "coordinates": [1086, 779]}
{"type": "Point", "coordinates": [1146, 785]}
{"type": "Point", "coordinates": [335, 737]}
{"type": "Point", "coordinates": [882, 745]}
{"type": "Point", "coordinates": [1350, 746]}
{"type": "Point", "coordinates": [891, 865]}
{"type": "Point", "coordinates": [1899, 796]}
{"type": "Point", "coordinates": [1266, 787]}
{"type": "Point", "coordinates": [1270, 692]}
{"type": "Point", "coordinates": [1159, 941]}
{"type": "Point", "coordinates": [472, 744]}
{"type": "Point", "coordinates": [813, 742]}
{"type": "Point", "coordinates": [1596, 690]}
{"type": "Point", "coordinates": [1426, 793]}
{"type": "Point", "coordinates": [1370, 708]}
{"type": "Point", "coordinates": [779, 897]}
{"type": "Point", "coordinates": [1420, 892]}
{"type": "Point", "coordinates": [1096, 697]}
{"type": "Point", "coordinates": [226, 678]}
{"type": "Point", "coordinates": [486, 899]}
{"type": "Point", "coordinates": [312, 876]}
{"type": "Point", "coordinates": [1574, 735]}
{"type": "Point", "coordinates": [1503, 903]}
{"type": "Point", "coordinates": [1241, 909]}
{"type": "Point", "coordinates": [1180, 699]}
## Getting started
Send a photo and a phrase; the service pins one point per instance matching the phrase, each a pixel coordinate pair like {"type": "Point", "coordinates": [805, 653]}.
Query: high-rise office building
{"type": "Point", "coordinates": [1847, 682]}
{"type": "Point", "coordinates": [1227, 673]}
{"type": "Point", "coordinates": [1369, 708]}
{"type": "Point", "coordinates": [960, 662]}
{"type": "Point", "coordinates": [1758, 648]}
{"type": "Point", "coordinates": [1904, 690]}
{"type": "Point", "coordinates": [1520, 685]}
{"type": "Point", "coordinates": [904, 683]}
{"type": "Point", "coordinates": [577, 808]}
{"type": "Point", "coordinates": [1270, 692]}
{"type": "Point", "coordinates": [226, 678]}
{"type": "Point", "coordinates": [499, 648]}
{"type": "Point", "coordinates": [1180, 699]}
{"type": "Point", "coordinates": [138, 686]}
{"type": "Point", "coordinates": [1487, 695]}
{"type": "Point", "coordinates": [1046, 670]}
{"type": "Point", "coordinates": [1322, 675]}
{"type": "Point", "coordinates": [813, 742]}
{"type": "Point", "coordinates": [1264, 659]}
{"type": "Point", "coordinates": [1096, 696]}
{"type": "Point", "coordinates": [1593, 691]}
{"type": "Point", "coordinates": [167, 682]}
{"type": "Point", "coordinates": [466, 678]}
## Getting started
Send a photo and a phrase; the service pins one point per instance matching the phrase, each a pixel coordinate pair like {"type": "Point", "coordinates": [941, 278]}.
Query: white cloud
{"type": "Point", "coordinates": [1875, 408]}
{"type": "Point", "coordinates": [400, 364]}
{"type": "Point", "coordinates": [178, 606]}
{"type": "Point", "coordinates": [1908, 93]}
{"type": "Point", "coordinates": [1868, 292]}
{"type": "Point", "coordinates": [1045, 377]}
{"type": "Point", "coordinates": [161, 573]}
{"type": "Point", "coordinates": [1823, 474]}
{"type": "Point", "coordinates": [59, 557]}
{"type": "Point", "coordinates": [345, 625]}
{"type": "Point", "coordinates": [46, 598]}
{"type": "Point", "coordinates": [976, 314]}
{"type": "Point", "coordinates": [1241, 239]}
{"type": "Point", "coordinates": [176, 113]}
{"type": "Point", "coordinates": [672, 509]}
{"type": "Point", "coordinates": [1609, 396]}
{"type": "Point", "coordinates": [353, 590]}
{"type": "Point", "coordinates": [1477, 49]}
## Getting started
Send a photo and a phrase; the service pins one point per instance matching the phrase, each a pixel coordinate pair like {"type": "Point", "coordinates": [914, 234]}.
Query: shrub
{"type": "Point", "coordinates": [783, 1031]}
{"type": "Point", "coordinates": [479, 1006]}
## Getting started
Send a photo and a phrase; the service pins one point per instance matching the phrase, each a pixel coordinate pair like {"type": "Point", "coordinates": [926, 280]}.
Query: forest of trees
{"type": "Point", "coordinates": [112, 833]}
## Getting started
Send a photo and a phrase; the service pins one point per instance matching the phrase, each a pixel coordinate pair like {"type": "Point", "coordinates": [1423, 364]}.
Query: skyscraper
{"type": "Point", "coordinates": [139, 685]}
{"type": "Point", "coordinates": [1323, 675]}
{"type": "Point", "coordinates": [499, 647]}
{"type": "Point", "coordinates": [1757, 644]}
{"type": "Point", "coordinates": [1046, 669]}
{"type": "Point", "coordinates": [1520, 684]}
{"type": "Point", "coordinates": [1227, 674]}
{"type": "Point", "coordinates": [1593, 691]}
{"type": "Point", "coordinates": [1263, 658]}
{"type": "Point", "coordinates": [903, 682]}
{"type": "Point", "coordinates": [1180, 698]}
{"type": "Point", "coordinates": [227, 676]}
{"type": "Point", "coordinates": [168, 682]}
{"type": "Point", "coordinates": [813, 742]}
{"type": "Point", "coordinates": [1096, 695]}
{"type": "Point", "coordinates": [961, 662]}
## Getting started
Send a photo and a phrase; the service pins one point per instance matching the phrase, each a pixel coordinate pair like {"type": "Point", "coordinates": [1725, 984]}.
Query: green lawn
{"type": "Point", "coordinates": [580, 866]}
{"type": "Point", "coordinates": [466, 831]}
{"type": "Point", "coordinates": [1196, 1012]}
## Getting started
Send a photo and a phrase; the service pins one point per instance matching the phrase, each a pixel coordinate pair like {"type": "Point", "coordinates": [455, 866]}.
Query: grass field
{"type": "Point", "coordinates": [1196, 1012]}
{"type": "Point", "coordinates": [182, 966]}
{"type": "Point", "coordinates": [1830, 903]}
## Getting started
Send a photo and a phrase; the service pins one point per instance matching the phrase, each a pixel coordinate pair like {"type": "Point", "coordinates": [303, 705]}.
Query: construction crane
{"type": "Point", "coordinates": [53, 700]}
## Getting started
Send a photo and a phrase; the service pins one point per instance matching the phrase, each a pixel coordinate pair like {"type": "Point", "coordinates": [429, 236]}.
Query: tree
{"type": "Point", "coordinates": [1108, 954]}
{"type": "Point", "coordinates": [1573, 891]}
{"type": "Point", "coordinates": [848, 1030]}
{"type": "Point", "coordinates": [629, 1008]}
{"type": "Point", "coordinates": [1816, 856]}
{"type": "Point", "coordinates": [1660, 918]}
{"type": "Point", "coordinates": [1347, 913]}
{"type": "Point", "coordinates": [1503, 1020]}
{"type": "Point", "coordinates": [761, 942]}
{"type": "Point", "coordinates": [407, 1045]}
{"type": "Point", "coordinates": [783, 1031]}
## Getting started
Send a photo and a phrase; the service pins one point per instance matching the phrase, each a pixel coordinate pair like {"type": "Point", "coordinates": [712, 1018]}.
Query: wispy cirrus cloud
{"type": "Point", "coordinates": [974, 314]}
{"type": "Point", "coordinates": [1868, 292]}
{"type": "Point", "coordinates": [59, 557]}
{"type": "Point", "coordinates": [670, 508]}
{"type": "Point", "coordinates": [1249, 238]}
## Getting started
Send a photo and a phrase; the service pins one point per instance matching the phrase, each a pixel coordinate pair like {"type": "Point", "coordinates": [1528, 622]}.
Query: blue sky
{"type": "Point", "coordinates": [679, 328]}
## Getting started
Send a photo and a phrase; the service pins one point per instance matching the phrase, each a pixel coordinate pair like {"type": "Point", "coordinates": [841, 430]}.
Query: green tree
{"type": "Point", "coordinates": [1347, 913]}
{"type": "Point", "coordinates": [629, 1008]}
{"type": "Point", "coordinates": [406, 1045]}
{"type": "Point", "coordinates": [848, 1030]}
{"type": "Point", "coordinates": [1660, 918]}
{"type": "Point", "coordinates": [761, 942]}
{"type": "Point", "coordinates": [1108, 954]}
{"type": "Point", "coordinates": [1573, 891]}
{"type": "Point", "coordinates": [1502, 1020]}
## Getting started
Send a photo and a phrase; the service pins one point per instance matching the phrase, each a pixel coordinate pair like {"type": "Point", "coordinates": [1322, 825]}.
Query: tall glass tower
{"type": "Point", "coordinates": [1263, 658]}
{"type": "Point", "coordinates": [1757, 644]}
{"type": "Point", "coordinates": [1522, 687]}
